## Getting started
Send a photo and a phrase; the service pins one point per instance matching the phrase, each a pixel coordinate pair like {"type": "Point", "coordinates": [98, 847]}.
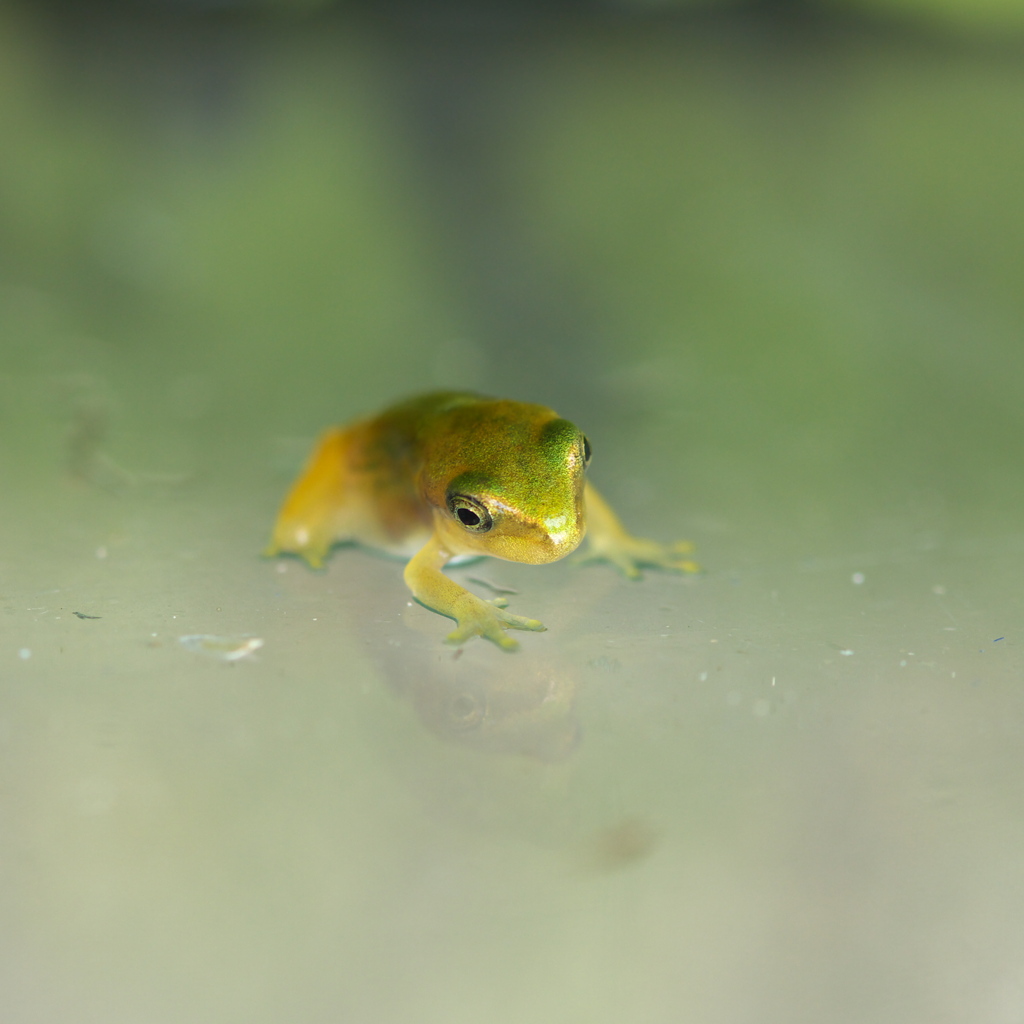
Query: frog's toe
{"type": "Point", "coordinates": [684, 565]}
{"type": "Point", "coordinates": [521, 622]}
{"type": "Point", "coordinates": [491, 623]}
{"type": "Point", "coordinates": [313, 557]}
{"type": "Point", "coordinates": [673, 556]}
{"type": "Point", "coordinates": [494, 633]}
{"type": "Point", "coordinates": [308, 544]}
{"type": "Point", "coordinates": [625, 563]}
{"type": "Point", "coordinates": [669, 559]}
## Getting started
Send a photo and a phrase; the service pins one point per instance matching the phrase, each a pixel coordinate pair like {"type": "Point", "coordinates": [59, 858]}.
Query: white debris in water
{"type": "Point", "coordinates": [857, 578]}
{"type": "Point", "coordinates": [25, 653]}
{"type": "Point", "coordinates": [225, 648]}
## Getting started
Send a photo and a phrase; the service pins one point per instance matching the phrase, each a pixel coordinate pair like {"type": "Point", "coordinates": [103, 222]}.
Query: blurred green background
{"type": "Point", "coordinates": [769, 256]}
{"type": "Point", "coordinates": [789, 236]}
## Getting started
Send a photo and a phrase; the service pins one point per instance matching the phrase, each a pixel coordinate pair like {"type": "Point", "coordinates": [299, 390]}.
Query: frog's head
{"type": "Point", "coordinates": [515, 486]}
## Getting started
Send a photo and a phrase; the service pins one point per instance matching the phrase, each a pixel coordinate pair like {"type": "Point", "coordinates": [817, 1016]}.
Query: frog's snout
{"type": "Point", "coordinates": [558, 536]}
{"type": "Point", "coordinates": [562, 529]}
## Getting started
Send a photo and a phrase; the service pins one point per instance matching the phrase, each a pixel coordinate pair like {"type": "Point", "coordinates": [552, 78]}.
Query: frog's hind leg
{"type": "Point", "coordinates": [315, 514]}
{"type": "Point", "coordinates": [609, 541]}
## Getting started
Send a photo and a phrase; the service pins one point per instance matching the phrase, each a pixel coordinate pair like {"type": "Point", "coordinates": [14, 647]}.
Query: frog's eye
{"type": "Point", "coordinates": [470, 513]}
{"type": "Point", "coordinates": [586, 451]}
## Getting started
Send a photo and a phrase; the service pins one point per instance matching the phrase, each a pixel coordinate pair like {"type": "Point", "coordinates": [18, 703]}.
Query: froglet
{"type": "Point", "coordinates": [451, 476]}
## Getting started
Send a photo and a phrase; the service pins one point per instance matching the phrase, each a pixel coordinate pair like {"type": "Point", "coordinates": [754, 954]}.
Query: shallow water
{"type": "Point", "coordinates": [786, 789]}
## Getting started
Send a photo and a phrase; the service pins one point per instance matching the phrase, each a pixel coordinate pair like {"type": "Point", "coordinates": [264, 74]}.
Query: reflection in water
{"type": "Point", "coordinates": [474, 696]}
{"type": "Point", "coordinates": [525, 704]}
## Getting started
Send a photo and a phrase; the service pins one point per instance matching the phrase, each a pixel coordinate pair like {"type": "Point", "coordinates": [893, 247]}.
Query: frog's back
{"type": "Point", "coordinates": [383, 504]}
{"type": "Point", "coordinates": [377, 480]}
{"type": "Point", "coordinates": [359, 484]}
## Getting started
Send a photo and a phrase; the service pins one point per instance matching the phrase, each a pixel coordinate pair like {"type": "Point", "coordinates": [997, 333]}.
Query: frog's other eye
{"type": "Point", "coordinates": [586, 451]}
{"type": "Point", "coordinates": [470, 513]}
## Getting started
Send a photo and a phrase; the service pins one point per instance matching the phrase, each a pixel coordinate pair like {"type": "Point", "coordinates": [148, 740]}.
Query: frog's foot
{"type": "Point", "coordinates": [628, 554]}
{"type": "Point", "coordinates": [488, 619]}
{"type": "Point", "coordinates": [291, 538]}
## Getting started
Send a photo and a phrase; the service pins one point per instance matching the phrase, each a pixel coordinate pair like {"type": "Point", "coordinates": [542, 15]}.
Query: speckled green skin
{"type": "Point", "coordinates": [522, 462]}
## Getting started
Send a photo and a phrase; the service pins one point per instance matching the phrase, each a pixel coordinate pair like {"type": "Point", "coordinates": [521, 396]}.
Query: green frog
{"type": "Point", "coordinates": [451, 476]}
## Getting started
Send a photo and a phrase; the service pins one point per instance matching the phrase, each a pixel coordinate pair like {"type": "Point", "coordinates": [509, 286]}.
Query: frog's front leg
{"type": "Point", "coordinates": [609, 541]}
{"type": "Point", "coordinates": [473, 615]}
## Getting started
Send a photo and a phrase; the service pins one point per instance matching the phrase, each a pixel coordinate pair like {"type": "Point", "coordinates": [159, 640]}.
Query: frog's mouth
{"type": "Point", "coordinates": [539, 543]}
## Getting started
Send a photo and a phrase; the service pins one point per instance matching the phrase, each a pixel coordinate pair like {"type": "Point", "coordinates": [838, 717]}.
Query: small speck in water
{"type": "Point", "coordinates": [623, 844]}
{"type": "Point", "coordinates": [25, 653]}
{"type": "Point", "coordinates": [857, 578]}
{"type": "Point", "coordinates": [82, 615]}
